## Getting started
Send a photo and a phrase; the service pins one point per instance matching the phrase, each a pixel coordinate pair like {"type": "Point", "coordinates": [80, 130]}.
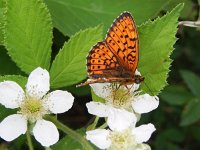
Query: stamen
{"type": "Point", "coordinates": [119, 97]}
{"type": "Point", "coordinates": [122, 140]}
{"type": "Point", "coordinates": [32, 108]}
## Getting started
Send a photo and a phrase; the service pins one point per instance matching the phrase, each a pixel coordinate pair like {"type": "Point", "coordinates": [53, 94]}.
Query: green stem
{"type": "Point", "coordinates": [29, 140]}
{"type": "Point", "coordinates": [94, 124]}
{"type": "Point", "coordinates": [71, 133]}
{"type": "Point", "coordinates": [103, 126]}
{"type": "Point", "coordinates": [48, 148]}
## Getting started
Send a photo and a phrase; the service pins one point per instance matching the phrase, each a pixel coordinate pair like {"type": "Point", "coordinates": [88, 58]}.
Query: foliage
{"type": "Point", "coordinates": [156, 40]}
{"type": "Point", "coordinates": [28, 36]}
{"type": "Point", "coordinates": [68, 67]}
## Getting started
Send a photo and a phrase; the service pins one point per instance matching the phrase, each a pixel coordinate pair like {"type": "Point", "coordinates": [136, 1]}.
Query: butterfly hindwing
{"type": "Point", "coordinates": [101, 62]}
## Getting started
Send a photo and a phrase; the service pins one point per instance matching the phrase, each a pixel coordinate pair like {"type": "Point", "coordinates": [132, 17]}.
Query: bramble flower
{"type": "Point", "coordinates": [117, 119]}
{"type": "Point", "coordinates": [33, 103]}
{"type": "Point", "coordinates": [127, 98]}
{"type": "Point", "coordinates": [129, 139]}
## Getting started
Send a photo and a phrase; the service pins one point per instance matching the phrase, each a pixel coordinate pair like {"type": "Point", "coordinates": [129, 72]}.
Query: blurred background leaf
{"type": "Point", "coordinates": [71, 16]}
{"type": "Point", "coordinates": [8, 66]}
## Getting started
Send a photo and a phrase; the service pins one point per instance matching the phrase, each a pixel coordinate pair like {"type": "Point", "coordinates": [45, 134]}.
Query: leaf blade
{"type": "Point", "coordinates": [100, 11]}
{"type": "Point", "coordinates": [68, 67]}
{"type": "Point", "coordinates": [21, 80]}
{"type": "Point", "coordinates": [192, 81]}
{"type": "Point", "coordinates": [28, 33]}
{"type": "Point", "coordinates": [191, 114]}
{"type": "Point", "coordinates": [156, 43]}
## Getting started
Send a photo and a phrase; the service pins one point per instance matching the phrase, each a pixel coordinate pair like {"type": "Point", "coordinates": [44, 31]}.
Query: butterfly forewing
{"type": "Point", "coordinates": [122, 39]}
{"type": "Point", "coordinates": [115, 59]}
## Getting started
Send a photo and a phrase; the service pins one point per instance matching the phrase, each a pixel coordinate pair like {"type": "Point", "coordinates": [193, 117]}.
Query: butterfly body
{"type": "Point", "coordinates": [116, 58]}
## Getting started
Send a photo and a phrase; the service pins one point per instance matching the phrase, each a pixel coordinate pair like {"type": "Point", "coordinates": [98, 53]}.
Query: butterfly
{"type": "Point", "coordinates": [116, 58]}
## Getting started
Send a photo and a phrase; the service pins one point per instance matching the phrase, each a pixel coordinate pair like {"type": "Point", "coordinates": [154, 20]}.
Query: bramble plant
{"type": "Point", "coordinates": [30, 87]}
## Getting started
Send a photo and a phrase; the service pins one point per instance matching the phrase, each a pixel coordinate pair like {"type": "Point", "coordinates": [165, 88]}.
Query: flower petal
{"type": "Point", "coordinates": [120, 119]}
{"type": "Point", "coordinates": [59, 101]}
{"type": "Point", "coordinates": [11, 94]}
{"type": "Point", "coordinates": [12, 127]}
{"type": "Point", "coordinates": [98, 109]}
{"type": "Point", "coordinates": [38, 83]}
{"type": "Point", "coordinates": [99, 137]}
{"type": "Point", "coordinates": [101, 89]}
{"type": "Point", "coordinates": [142, 147]}
{"type": "Point", "coordinates": [145, 103]}
{"type": "Point", "coordinates": [143, 132]}
{"type": "Point", "coordinates": [46, 133]}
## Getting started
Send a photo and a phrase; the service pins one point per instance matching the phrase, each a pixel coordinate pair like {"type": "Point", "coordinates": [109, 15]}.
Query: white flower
{"type": "Point", "coordinates": [129, 139]}
{"type": "Point", "coordinates": [33, 104]}
{"type": "Point", "coordinates": [118, 119]}
{"type": "Point", "coordinates": [120, 96]}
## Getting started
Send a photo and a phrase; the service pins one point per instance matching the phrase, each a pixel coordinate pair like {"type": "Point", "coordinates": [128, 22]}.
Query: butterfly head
{"type": "Point", "coordinates": [138, 79]}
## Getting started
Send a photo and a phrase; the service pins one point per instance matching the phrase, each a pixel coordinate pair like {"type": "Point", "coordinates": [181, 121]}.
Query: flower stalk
{"type": "Point", "coordinates": [29, 140]}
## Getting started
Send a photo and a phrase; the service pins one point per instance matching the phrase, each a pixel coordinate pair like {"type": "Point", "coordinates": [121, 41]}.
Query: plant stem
{"type": "Point", "coordinates": [103, 126]}
{"type": "Point", "coordinates": [93, 125]}
{"type": "Point", "coordinates": [29, 140]}
{"type": "Point", "coordinates": [76, 136]}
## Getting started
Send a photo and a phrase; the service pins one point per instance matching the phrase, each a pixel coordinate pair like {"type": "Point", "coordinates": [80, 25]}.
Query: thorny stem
{"type": "Point", "coordinates": [71, 133]}
{"type": "Point", "coordinates": [190, 23]}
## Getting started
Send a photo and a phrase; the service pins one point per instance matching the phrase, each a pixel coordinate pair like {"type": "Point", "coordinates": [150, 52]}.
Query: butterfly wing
{"type": "Point", "coordinates": [115, 59]}
{"type": "Point", "coordinates": [102, 63]}
{"type": "Point", "coordinates": [122, 40]}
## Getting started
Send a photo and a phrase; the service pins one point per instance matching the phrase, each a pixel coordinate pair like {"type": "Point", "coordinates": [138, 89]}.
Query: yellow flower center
{"type": "Point", "coordinates": [120, 98]}
{"type": "Point", "coordinates": [32, 108]}
{"type": "Point", "coordinates": [122, 140]}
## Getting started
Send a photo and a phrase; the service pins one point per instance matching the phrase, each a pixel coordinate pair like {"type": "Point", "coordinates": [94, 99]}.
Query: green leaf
{"type": "Point", "coordinates": [195, 130]}
{"type": "Point", "coordinates": [188, 10]}
{"type": "Point", "coordinates": [173, 134]}
{"type": "Point", "coordinates": [2, 5]}
{"type": "Point", "coordinates": [69, 65]}
{"type": "Point", "coordinates": [8, 67]}
{"type": "Point", "coordinates": [176, 95]}
{"type": "Point", "coordinates": [28, 33]}
{"type": "Point", "coordinates": [17, 78]}
{"type": "Point", "coordinates": [156, 44]}
{"type": "Point", "coordinates": [199, 11]}
{"type": "Point", "coordinates": [71, 16]}
{"type": "Point", "coordinates": [191, 113]}
{"type": "Point", "coordinates": [96, 98]}
{"type": "Point", "coordinates": [4, 112]}
{"type": "Point", "coordinates": [173, 146]}
{"type": "Point", "coordinates": [70, 143]}
{"type": "Point", "coordinates": [81, 91]}
{"type": "Point", "coordinates": [192, 81]}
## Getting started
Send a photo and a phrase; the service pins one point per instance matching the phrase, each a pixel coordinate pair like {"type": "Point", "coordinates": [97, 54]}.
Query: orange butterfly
{"type": "Point", "coordinates": [116, 58]}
